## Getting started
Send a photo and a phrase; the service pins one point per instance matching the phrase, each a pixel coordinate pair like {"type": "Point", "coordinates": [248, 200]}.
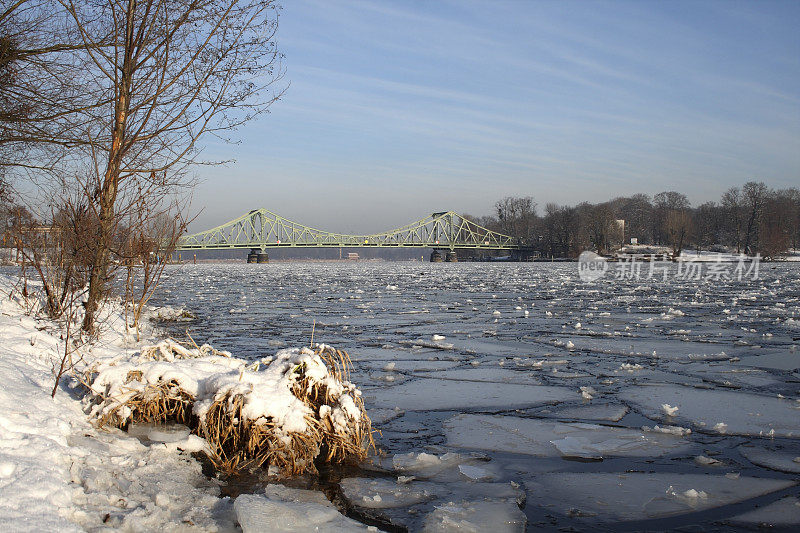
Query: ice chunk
{"type": "Point", "coordinates": [438, 338]}
{"type": "Point", "coordinates": [691, 496]}
{"type": "Point", "coordinates": [588, 393]}
{"type": "Point", "coordinates": [475, 517]}
{"type": "Point", "coordinates": [744, 413]}
{"type": "Point", "coordinates": [426, 464]}
{"type": "Point", "coordinates": [476, 473]}
{"type": "Point", "coordinates": [668, 410]}
{"type": "Point", "coordinates": [637, 496]}
{"type": "Point", "coordinates": [781, 461]}
{"type": "Point", "coordinates": [263, 512]}
{"type": "Point", "coordinates": [386, 493]}
{"type": "Point", "coordinates": [670, 430]}
{"type": "Point", "coordinates": [707, 461]}
{"type": "Point", "coordinates": [547, 438]}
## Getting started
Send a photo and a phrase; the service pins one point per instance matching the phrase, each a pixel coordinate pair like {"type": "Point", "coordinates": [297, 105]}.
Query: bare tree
{"type": "Point", "coordinates": [754, 196]}
{"type": "Point", "coordinates": [517, 217]}
{"type": "Point", "coordinates": [677, 225]}
{"type": "Point", "coordinates": [43, 100]}
{"type": "Point", "coordinates": [163, 74]}
{"type": "Point", "coordinates": [732, 203]}
{"type": "Point", "coordinates": [151, 233]}
{"type": "Point", "coordinates": [599, 223]}
{"type": "Point", "coordinates": [637, 212]}
{"type": "Point", "coordinates": [709, 223]}
{"type": "Point", "coordinates": [664, 203]}
{"type": "Point", "coordinates": [777, 223]}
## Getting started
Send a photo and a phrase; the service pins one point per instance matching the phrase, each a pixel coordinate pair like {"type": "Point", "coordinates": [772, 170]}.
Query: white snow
{"type": "Point", "coordinates": [59, 473]}
{"type": "Point", "coordinates": [266, 385]}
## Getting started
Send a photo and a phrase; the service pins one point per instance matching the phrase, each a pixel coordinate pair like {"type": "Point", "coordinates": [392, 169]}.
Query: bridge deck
{"type": "Point", "coordinates": [262, 229]}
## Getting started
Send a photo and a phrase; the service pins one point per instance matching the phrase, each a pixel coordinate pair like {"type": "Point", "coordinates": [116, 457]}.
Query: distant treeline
{"type": "Point", "coordinates": [749, 219]}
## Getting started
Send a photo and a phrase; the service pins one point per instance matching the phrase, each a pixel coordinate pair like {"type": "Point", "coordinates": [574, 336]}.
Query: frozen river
{"type": "Point", "coordinates": [612, 404]}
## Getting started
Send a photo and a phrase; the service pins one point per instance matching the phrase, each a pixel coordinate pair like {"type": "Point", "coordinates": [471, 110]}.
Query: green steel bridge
{"type": "Point", "coordinates": [260, 230]}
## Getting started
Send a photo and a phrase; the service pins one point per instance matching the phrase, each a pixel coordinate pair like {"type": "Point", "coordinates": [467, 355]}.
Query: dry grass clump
{"type": "Point", "coordinates": [162, 402]}
{"type": "Point", "coordinates": [236, 443]}
{"type": "Point", "coordinates": [288, 412]}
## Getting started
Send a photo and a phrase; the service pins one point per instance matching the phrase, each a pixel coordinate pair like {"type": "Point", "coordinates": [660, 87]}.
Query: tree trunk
{"type": "Point", "coordinates": [110, 183]}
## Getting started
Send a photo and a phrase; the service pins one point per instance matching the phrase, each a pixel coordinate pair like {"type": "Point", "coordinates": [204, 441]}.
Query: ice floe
{"type": "Point", "coordinates": [774, 460]}
{"type": "Point", "coordinates": [784, 512]}
{"type": "Point", "coordinates": [436, 394]}
{"type": "Point", "coordinates": [637, 496]}
{"type": "Point", "coordinates": [742, 413]}
{"type": "Point", "coordinates": [282, 509]}
{"type": "Point", "coordinates": [547, 438]}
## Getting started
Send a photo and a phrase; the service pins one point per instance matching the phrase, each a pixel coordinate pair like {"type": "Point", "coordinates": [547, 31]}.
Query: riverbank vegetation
{"type": "Point", "coordinates": [753, 219]}
{"type": "Point", "coordinates": [105, 105]}
{"type": "Point", "coordinates": [286, 411]}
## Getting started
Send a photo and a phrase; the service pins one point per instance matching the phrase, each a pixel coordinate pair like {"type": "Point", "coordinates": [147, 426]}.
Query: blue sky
{"type": "Point", "coordinates": [399, 109]}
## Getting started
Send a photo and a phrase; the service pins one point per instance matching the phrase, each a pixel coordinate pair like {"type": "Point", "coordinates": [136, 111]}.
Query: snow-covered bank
{"type": "Point", "coordinates": [60, 473]}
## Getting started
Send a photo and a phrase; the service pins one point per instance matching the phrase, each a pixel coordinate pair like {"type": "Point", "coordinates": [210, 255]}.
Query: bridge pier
{"type": "Point", "coordinates": [256, 255]}
{"type": "Point", "coordinates": [451, 257]}
{"type": "Point", "coordinates": [436, 256]}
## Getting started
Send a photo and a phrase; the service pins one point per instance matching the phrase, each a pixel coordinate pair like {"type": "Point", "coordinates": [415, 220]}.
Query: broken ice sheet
{"type": "Point", "coordinates": [496, 375]}
{"type": "Point", "coordinates": [475, 517]}
{"type": "Point", "coordinates": [426, 394]}
{"type": "Point", "coordinates": [548, 438]}
{"type": "Point", "coordinates": [381, 493]}
{"type": "Point", "coordinates": [638, 496]}
{"type": "Point", "coordinates": [282, 509]}
{"type": "Point", "coordinates": [742, 413]}
{"type": "Point", "coordinates": [610, 412]}
{"type": "Point", "coordinates": [446, 467]}
{"type": "Point", "coordinates": [774, 460]}
{"type": "Point", "coordinates": [784, 512]}
{"type": "Point", "coordinates": [382, 416]}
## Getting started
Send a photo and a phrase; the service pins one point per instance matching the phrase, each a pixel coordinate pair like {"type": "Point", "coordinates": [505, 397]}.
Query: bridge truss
{"type": "Point", "coordinates": [264, 229]}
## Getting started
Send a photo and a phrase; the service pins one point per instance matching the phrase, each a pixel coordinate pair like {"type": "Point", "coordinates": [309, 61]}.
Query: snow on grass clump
{"type": "Point", "coordinates": [287, 410]}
